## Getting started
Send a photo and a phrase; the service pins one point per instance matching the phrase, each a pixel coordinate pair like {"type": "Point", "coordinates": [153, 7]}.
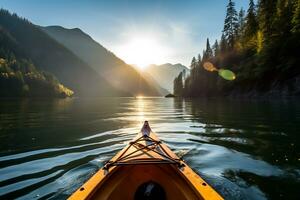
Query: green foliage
{"type": "Point", "coordinates": [178, 85]}
{"type": "Point", "coordinates": [18, 74]}
{"type": "Point", "coordinates": [266, 15]}
{"type": "Point", "coordinates": [251, 21]}
{"type": "Point", "coordinates": [216, 48]}
{"type": "Point", "coordinates": [296, 18]}
{"type": "Point", "coordinates": [21, 78]}
{"type": "Point", "coordinates": [261, 48]}
{"type": "Point", "coordinates": [241, 22]}
{"type": "Point", "coordinates": [209, 52]}
{"type": "Point", "coordinates": [34, 45]}
{"type": "Point", "coordinates": [223, 44]}
{"type": "Point", "coordinates": [231, 24]}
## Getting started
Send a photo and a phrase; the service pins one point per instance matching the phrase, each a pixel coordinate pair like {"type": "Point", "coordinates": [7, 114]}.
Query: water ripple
{"type": "Point", "coordinates": [244, 150]}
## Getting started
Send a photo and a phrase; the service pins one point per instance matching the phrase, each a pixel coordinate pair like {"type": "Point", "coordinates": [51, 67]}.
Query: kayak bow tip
{"type": "Point", "coordinates": [146, 129]}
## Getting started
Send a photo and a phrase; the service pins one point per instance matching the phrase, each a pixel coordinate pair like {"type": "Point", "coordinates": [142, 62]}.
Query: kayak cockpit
{"type": "Point", "coordinates": [126, 180]}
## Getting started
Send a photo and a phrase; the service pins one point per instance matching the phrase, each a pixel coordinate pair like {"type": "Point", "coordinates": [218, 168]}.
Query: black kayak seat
{"type": "Point", "coordinates": [150, 191]}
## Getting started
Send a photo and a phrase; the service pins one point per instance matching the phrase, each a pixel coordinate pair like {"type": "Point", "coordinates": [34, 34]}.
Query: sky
{"type": "Point", "coordinates": [140, 32]}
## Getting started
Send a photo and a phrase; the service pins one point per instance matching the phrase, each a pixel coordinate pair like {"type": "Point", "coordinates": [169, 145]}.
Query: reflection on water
{"type": "Point", "coordinates": [246, 150]}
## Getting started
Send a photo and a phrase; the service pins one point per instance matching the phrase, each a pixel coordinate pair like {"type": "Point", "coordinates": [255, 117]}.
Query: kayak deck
{"type": "Point", "coordinates": [145, 159]}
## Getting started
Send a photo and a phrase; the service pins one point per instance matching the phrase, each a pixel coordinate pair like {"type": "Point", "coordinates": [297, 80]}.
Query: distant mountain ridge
{"type": "Point", "coordinates": [166, 73]}
{"type": "Point", "coordinates": [105, 63]}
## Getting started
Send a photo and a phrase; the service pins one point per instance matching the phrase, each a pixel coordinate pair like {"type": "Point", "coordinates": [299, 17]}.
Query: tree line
{"type": "Point", "coordinates": [261, 45]}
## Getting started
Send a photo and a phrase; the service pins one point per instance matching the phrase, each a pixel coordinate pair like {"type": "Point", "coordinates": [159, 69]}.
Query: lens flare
{"type": "Point", "coordinates": [209, 67]}
{"type": "Point", "coordinates": [224, 73]}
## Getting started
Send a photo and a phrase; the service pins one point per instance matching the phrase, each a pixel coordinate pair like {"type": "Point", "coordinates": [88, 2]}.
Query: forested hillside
{"type": "Point", "coordinates": [48, 55]}
{"type": "Point", "coordinates": [105, 63]}
{"type": "Point", "coordinates": [261, 45]}
{"type": "Point", "coordinates": [19, 76]}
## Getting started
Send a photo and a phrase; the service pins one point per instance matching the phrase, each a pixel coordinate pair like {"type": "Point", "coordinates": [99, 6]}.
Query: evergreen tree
{"type": "Point", "coordinates": [223, 44]}
{"type": "Point", "coordinates": [231, 24]}
{"type": "Point", "coordinates": [296, 18]}
{"type": "Point", "coordinates": [193, 63]}
{"type": "Point", "coordinates": [178, 85]}
{"type": "Point", "coordinates": [283, 19]}
{"type": "Point", "coordinates": [269, 37]}
{"type": "Point", "coordinates": [251, 21]}
{"type": "Point", "coordinates": [199, 60]}
{"type": "Point", "coordinates": [208, 52]}
{"type": "Point", "coordinates": [216, 48]}
{"type": "Point", "coordinates": [266, 15]}
{"type": "Point", "coordinates": [241, 20]}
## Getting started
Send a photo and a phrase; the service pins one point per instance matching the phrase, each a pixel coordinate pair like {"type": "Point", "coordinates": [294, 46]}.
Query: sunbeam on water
{"type": "Point", "coordinates": [244, 150]}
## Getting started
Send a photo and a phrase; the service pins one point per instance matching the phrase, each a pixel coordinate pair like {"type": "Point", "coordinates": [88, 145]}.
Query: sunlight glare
{"type": "Point", "coordinates": [140, 109]}
{"type": "Point", "coordinates": [142, 51]}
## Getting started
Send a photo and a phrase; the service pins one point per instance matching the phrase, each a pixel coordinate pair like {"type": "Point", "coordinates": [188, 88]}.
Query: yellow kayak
{"type": "Point", "coordinates": [145, 169]}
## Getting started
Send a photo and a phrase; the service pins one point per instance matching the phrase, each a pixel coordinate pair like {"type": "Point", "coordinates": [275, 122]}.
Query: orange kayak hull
{"type": "Point", "coordinates": [145, 159]}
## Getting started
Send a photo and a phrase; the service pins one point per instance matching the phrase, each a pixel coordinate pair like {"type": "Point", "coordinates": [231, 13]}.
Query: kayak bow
{"type": "Point", "coordinates": [145, 169]}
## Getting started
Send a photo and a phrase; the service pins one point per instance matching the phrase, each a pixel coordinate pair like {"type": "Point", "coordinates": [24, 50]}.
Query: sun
{"type": "Point", "coordinates": [142, 51]}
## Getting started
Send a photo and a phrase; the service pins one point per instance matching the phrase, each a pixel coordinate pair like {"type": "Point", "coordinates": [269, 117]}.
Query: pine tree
{"type": "Point", "coordinates": [178, 85]}
{"type": "Point", "coordinates": [216, 48]}
{"type": "Point", "coordinates": [241, 22]}
{"type": "Point", "coordinates": [199, 60]}
{"type": "Point", "coordinates": [283, 19]}
{"type": "Point", "coordinates": [296, 18]}
{"type": "Point", "coordinates": [266, 15]}
{"type": "Point", "coordinates": [251, 21]}
{"type": "Point", "coordinates": [193, 63]}
{"type": "Point", "coordinates": [269, 37]}
{"type": "Point", "coordinates": [208, 53]}
{"type": "Point", "coordinates": [223, 44]}
{"type": "Point", "coordinates": [231, 24]}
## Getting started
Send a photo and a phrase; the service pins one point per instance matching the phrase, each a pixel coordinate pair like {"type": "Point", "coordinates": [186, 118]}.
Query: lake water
{"type": "Point", "coordinates": [244, 149]}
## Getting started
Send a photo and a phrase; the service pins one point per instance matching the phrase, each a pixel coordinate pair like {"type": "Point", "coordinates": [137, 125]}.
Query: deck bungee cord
{"type": "Point", "coordinates": [153, 145]}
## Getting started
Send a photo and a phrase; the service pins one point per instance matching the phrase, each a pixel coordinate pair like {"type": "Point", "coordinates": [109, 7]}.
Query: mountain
{"type": "Point", "coordinates": [166, 73]}
{"type": "Point", "coordinates": [104, 62]}
{"type": "Point", "coordinates": [19, 77]}
{"type": "Point", "coordinates": [162, 91]}
{"type": "Point", "coordinates": [50, 56]}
